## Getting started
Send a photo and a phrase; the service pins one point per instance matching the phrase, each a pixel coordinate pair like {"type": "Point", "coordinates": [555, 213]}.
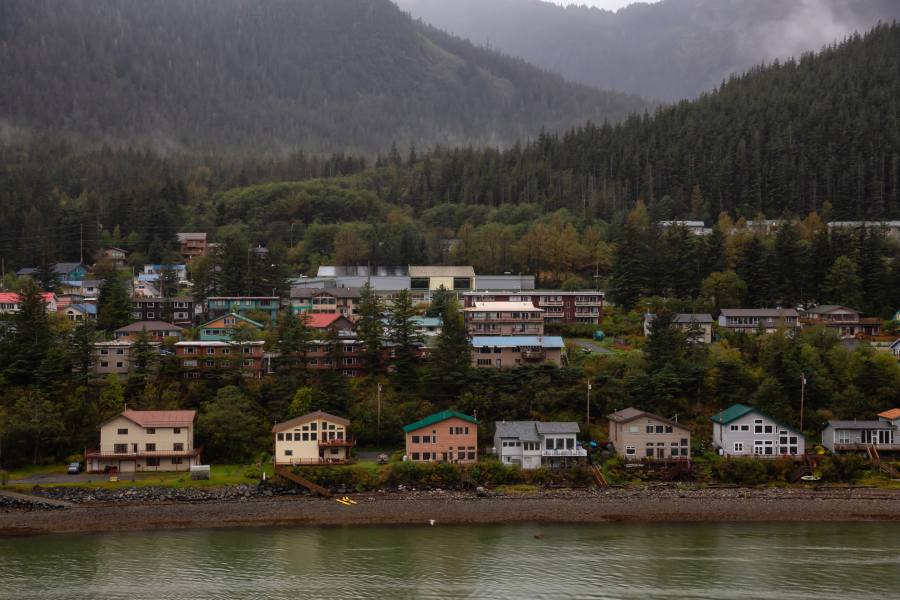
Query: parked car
{"type": "Point", "coordinates": [74, 468]}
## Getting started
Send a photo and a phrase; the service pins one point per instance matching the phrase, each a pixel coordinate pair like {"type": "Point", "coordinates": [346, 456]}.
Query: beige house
{"type": "Point", "coordinates": [510, 351]}
{"type": "Point", "coordinates": [314, 439]}
{"type": "Point", "coordinates": [504, 318]}
{"type": "Point", "coordinates": [116, 357]}
{"type": "Point", "coordinates": [638, 435]}
{"type": "Point", "coordinates": [146, 440]}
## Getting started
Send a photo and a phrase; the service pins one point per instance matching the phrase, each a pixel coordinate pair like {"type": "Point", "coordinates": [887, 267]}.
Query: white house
{"type": "Point", "coordinates": [146, 440]}
{"type": "Point", "coordinates": [742, 430]}
{"type": "Point", "coordinates": [316, 438]}
{"type": "Point", "coordinates": [533, 444]}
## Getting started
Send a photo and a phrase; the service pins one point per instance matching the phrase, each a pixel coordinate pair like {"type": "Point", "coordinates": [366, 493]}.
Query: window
{"type": "Point", "coordinates": [659, 429]}
{"type": "Point", "coordinates": [176, 461]}
{"type": "Point", "coordinates": [122, 432]}
{"type": "Point", "coordinates": [415, 456]}
{"type": "Point", "coordinates": [120, 448]}
{"type": "Point", "coordinates": [178, 447]}
{"type": "Point", "coordinates": [120, 365]}
{"type": "Point", "coordinates": [177, 430]}
{"type": "Point", "coordinates": [745, 428]}
{"type": "Point", "coordinates": [550, 443]}
{"type": "Point", "coordinates": [415, 439]}
{"type": "Point", "coordinates": [650, 452]}
{"type": "Point", "coordinates": [305, 437]}
{"type": "Point", "coordinates": [210, 350]}
{"type": "Point", "coordinates": [151, 447]}
{"type": "Point", "coordinates": [312, 437]}
{"type": "Point", "coordinates": [426, 456]}
{"type": "Point", "coordinates": [471, 455]}
{"type": "Point", "coordinates": [684, 441]}
{"type": "Point", "coordinates": [288, 452]}
{"type": "Point", "coordinates": [632, 429]}
{"type": "Point", "coordinates": [289, 437]}
{"type": "Point", "coordinates": [151, 430]}
{"type": "Point", "coordinates": [649, 428]}
{"type": "Point", "coordinates": [426, 439]}
{"type": "Point", "coordinates": [734, 428]}
{"type": "Point", "coordinates": [668, 429]}
{"type": "Point", "coordinates": [210, 363]}
{"type": "Point", "coordinates": [739, 446]}
{"type": "Point", "coordinates": [630, 451]}
{"type": "Point", "coordinates": [152, 462]}
{"type": "Point", "coordinates": [769, 429]}
{"type": "Point", "coordinates": [104, 364]}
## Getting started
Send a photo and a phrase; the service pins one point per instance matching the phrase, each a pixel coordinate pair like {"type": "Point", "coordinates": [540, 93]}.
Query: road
{"type": "Point", "coordinates": [592, 346]}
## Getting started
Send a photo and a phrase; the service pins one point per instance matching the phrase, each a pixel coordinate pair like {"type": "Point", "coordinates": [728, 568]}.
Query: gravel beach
{"type": "Point", "coordinates": [449, 508]}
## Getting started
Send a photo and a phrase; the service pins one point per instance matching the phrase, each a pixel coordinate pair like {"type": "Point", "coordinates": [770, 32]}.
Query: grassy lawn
{"type": "Point", "coordinates": [219, 475]}
{"type": "Point", "coordinates": [53, 469]}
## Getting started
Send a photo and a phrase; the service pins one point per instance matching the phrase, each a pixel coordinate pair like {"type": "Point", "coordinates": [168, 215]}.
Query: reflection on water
{"type": "Point", "coordinates": [783, 561]}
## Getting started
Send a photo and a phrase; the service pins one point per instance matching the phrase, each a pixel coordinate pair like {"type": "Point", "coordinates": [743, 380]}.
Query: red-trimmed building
{"type": "Point", "coordinates": [582, 306]}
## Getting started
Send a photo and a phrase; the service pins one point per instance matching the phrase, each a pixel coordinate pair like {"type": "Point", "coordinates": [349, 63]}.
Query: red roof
{"type": "Point", "coordinates": [161, 418]}
{"type": "Point", "coordinates": [891, 414]}
{"type": "Point", "coordinates": [13, 297]}
{"type": "Point", "coordinates": [321, 320]}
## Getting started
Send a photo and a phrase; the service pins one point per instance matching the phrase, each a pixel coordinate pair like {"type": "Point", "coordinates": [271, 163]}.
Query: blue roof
{"type": "Point", "coordinates": [427, 321]}
{"type": "Point", "coordinates": [88, 309]}
{"type": "Point", "coordinates": [513, 341]}
{"type": "Point", "coordinates": [145, 277]}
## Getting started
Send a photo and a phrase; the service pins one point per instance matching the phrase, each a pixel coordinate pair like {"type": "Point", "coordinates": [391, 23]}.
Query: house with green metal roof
{"type": "Point", "coordinates": [222, 329]}
{"type": "Point", "coordinates": [742, 430]}
{"type": "Point", "coordinates": [447, 436]}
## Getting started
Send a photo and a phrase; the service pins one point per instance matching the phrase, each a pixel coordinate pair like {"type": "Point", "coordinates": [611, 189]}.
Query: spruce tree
{"type": "Point", "coordinates": [451, 360]}
{"type": "Point", "coordinates": [370, 327]}
{"type": "Point", "coordinates": [114, 306]}
{"type": "Point", "coordinates": [404, 339]}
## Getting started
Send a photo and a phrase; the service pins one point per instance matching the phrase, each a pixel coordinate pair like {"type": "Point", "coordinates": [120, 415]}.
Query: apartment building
{"type": "Point", "coordinates": [504, 318]}
{"type": "Point", "coordinates": [205, 358]}
{"type": "Point", "coordinates": [510, 351]}
{"type": "Point", "coordinates": [220, 306]}
{"type": "Point", "coordinates": [584, 306]}
{"type": "Point", "coordinates": [338, 300]}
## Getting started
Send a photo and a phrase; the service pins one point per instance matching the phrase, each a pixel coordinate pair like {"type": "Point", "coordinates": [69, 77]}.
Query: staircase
{"type": "Point", "coordinates": [288, 474]}
{"type": "Point", "coordinates": [598, 476]}
{"type": "Point", "coordinates": [885, 468]}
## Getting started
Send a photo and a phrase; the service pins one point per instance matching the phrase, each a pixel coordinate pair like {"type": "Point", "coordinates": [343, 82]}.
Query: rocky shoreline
{"type": "Point", "coordinates": [248, 506]}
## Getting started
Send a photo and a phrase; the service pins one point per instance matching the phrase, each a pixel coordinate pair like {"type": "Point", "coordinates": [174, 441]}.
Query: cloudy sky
{"type": "Point", "coordinates": [608, 4]}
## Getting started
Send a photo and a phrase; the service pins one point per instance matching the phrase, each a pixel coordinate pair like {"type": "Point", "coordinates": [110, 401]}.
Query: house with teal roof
{"type": "Point", "coordinates": [222, 329]}
{"type": "Point", "coordinates": [447, 436]}
{"type": "Point", "coordinates": [742, 430]}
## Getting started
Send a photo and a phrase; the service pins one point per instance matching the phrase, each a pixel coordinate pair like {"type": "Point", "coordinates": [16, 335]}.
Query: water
{"type": "Point", "coordinates": [783, 561]}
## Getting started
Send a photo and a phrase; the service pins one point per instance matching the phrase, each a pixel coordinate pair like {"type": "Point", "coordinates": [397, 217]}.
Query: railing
{"type": "Point", "coordinates": [141, 454]}
{"type": "Point", "coordinates": [564, 452]}
{"type": "Point", "coordinates": [533, 354]}
{"type": "Point", "coordinates": [337, 443]}
{"type": "Point", "coordinates": [862, 446]}
{"type": "Point", "coordinates": [312, 462]}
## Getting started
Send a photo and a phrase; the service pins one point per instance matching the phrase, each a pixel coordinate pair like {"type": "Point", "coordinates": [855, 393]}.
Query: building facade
{"type": "Point", "coordinates": [638, 435]}
{"type": "Point", "coordinates": [752, 320]}
{"type": "Point", "coordinates": [198, 359]}
{"type": "Point", "coordinates": [314, 439]}
{"type": "Point", "coordinates": [220, 306]}
{"type": "Point", "coordinates": [447, 436]}
{"type": "Point", "coordinates": [146, 440]}
{"type": "Point", "coordinates": [742, 430]}
{"type": "Point", "coordinates": [504, 318]}
{"type": "Point", "coordinates": [222, 329]}
{"type": "Point", "coordinates": [341, 301]}
{"type": "Point", "coordinates": [697, 326]}
{"type": "Point", "coordinates": [157, 331]}
{"type": "Point", "coordinates": [856, 436]}
{"type": "Point", "coordinates": [179, 310]}
{"type": "Point", "coordinates": [509, 351]}
{"type": "Point", "coordinates": [192, 245]}
{"type": "Point", "coordinates": [535, 444]}
{"type": "Point", "coordinates": [584, 306]}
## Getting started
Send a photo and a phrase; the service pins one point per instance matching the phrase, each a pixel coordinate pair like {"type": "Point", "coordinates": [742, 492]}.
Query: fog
{"type": "Point", "coordinates": [605, 4]}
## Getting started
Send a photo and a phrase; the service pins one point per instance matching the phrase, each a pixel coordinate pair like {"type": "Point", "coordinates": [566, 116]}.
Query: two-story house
{"type": "Point", "coordinates": [11, 302]}
{"type": "Point", "coordinates": [638, 435]}
{"type": "Point", "coordinates": [220, 306]}
{"type": "Point", "coordinates": [534, 444]}
{"type": "Point", "coordinates": [845, 321]}
{"type": "Point", "coordinates": [698, 327]}
{"type": "Point", "coordinates": [742, 430]}
{"type": "Point", "coordinates": [338, 300]}
{"type": "Point", "coordinates": [314, 439]}
{"type": "Point", "coordinates": [504, 318]}
{"type": "Point", "coordinates": [751, 320]}
{"type": "Point", "coordinates": [222, 329]}
{"type": "Point", "coordinates": [447, 436]}
{"type": "Point", "coordinates": [179, 309]}
{"type": "Point", "coordinates": [116, 256]}
{"type": "Point", "coordinates": [157, 331]}
{"type": "Point", "coordinates": [510, 351]}
{"type": "Point", "coordinates": [116, 358]}
{"type": "Point", "coordinates": [146, 440]}
{"type": "Point", "coordinates": [199, 358]}
{"type": "Point", "coordinates": [192, 244]}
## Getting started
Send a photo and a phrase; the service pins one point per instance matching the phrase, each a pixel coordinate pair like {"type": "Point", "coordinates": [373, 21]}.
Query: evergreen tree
{"type": "Point", "coordinates": [629, 280]}
{"type": "Point", "coordinates": [451, 359]}
{"type": "Point", "coordinates": [114, 306]}
{"type": "Point", "coordinates": [441, 298]}
{"type": "Point", "coordinates": [30, 337]}
{"type": "Point", "coordinates": [843, 285]}
{"type": "Point", "coordinates": [81, 348]}
{"type": "Point", "coordinates": [370, 327]}
{"type": "Point", "coordinates": [403, 337]}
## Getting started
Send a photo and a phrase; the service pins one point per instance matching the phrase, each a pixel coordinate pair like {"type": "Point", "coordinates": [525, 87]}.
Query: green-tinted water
{"type": "Point", "coordinates": [821, 561]}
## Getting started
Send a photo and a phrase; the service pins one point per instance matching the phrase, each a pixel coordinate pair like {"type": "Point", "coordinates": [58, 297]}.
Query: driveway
{"type": "Point", "coordinates": [592, 346]}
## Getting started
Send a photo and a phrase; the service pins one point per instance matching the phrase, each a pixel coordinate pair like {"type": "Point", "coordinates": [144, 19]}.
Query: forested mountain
{"type": "Point", "coordinates": [241, 75]}
{"type": "Point", "coordinates": [670, 50]}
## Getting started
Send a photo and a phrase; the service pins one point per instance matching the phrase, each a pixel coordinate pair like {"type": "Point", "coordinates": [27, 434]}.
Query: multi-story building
{"type": "Point", "coordinates": [751, 320]}
{"type": "Point", "coordinates": [244, 305]}
{"type": "Point", "coordinates": [639, 435]}
{"type": "Point", "coordinates": [508, 351]}
{"type": "Point", "coordinates": [847, 322]}
{"type": "Point", "coordinates": [535, 444]}
{"type": "Point", "coordinates": [112, 358]}
{"type": "Point", "coordinates": [117, 256]}
{"type": "Point", "coordinates": [742, 430]}
{"type": "Point", "coordinates": [146, 440]}
{"type": "Point", "coordinates": [504, 318]}
{"type": "Point", "coordinates": [11, 302]}
{"type": "Point", "coordinates": [78, 312]}
{"type": "Point", "coordinates": [157, 331]}
{"type": "Point", "coordinates": [180, 310]}
{"type": "Point", "coordinates": [698, 326]}
{"type": "Point", "coordinates": [425, 280]}
{"type": "Point", "coordinates": [584, 306]}
{"type": "Point", "coordinates": [222, 329]}
{"type": "Point", "coordinates": [447, 436]}
{"type": "Point", "coordinates": [156, 272]}
{"type": "Point", "coordinates": [199, 358]}
{"type": "Point", "coordinates": [341, 301]}
{"type": "Point", "coordinates": [314, 439]}
{"type": "Point", "coordinates": [192, 245]}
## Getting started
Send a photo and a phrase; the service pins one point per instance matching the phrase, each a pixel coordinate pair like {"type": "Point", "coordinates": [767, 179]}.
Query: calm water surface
{"type": "Point", "coordinates": [783, 561]}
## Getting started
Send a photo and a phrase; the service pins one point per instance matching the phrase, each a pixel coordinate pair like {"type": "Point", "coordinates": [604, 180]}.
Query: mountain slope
{"type": "Point", "coordinates": [670, 50]}
{"type": "Point", "coordinates": [238, 74]}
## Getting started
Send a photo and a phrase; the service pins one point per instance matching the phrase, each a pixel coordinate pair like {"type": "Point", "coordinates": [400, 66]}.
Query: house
{"type": "Point", "coordinates": [180, 309]}
{"type": "Point", "coordinates": [158, 271]}
{"type": "Point", "coordinates": [697, 326]}
{"type": "Point", "coordinates": [192, 245]}
{"type": "Point", "coordinates": [751, 320]}
{"type": "Point", "coordinates": [447, 436]}
{"type": "Point", "coordinates": [342, 301]}
{"type": "Point", "coordinates": [333, 322]}
{"type": "Point", "coordinates": [244, 305]}
{"type": "Point", "coordinates": [117, 256]}
{"type": "Point", "coordinates": [199, 358]}
{"type": "Point", "coordinates": [11, 302]}
{"type": "Point", "coordinates": [534, 444]}
{"type": "Point", "coordinates": [855, 436]}
{"type": "Point", "coordinates": [845, 321]}
{"type": "Point", "coordinates": [504, 318]}
{"type": "Point", "coordinates": [639, 435]}
{"type": "Point", "coordinates": [503, 351]}
{"type": "Point", "coordinates": [742, 430]}
{"type": "Point", "coordinates": [79, 312]}
{"type": "Point", "coordinates": [579, 306]}
{"type": "Point", "coordinates": [145, 286]}
{"type": "Point", "coordinates": [427, 326]}
{"type": "Point", "coordinates": [314, 439]}
{"type": "Point", "coordinates": [116, 358]}
{"type": "Point", "coordinates": [157, 331]}
{"type": "Point", "coordinates": [222, 329]}
{"type": "Point", "coordinates": [895, 349]}
{"type": "Point", "coordinates": [70, 271]}
{"type": "Point", "coordinates": [695, 227]}
{"type": "Point", "coordinates": [146, 440]}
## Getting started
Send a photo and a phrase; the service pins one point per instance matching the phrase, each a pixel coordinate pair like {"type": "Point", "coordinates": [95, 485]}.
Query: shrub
{"type": "Point", "coordinates": [493, 472]}
{"type": "Point", "coordinates": [4, 477]}
{"type": "Point", "coordinates": [742, 471]}
{"type": "Point", "coordinates": [846, 469]}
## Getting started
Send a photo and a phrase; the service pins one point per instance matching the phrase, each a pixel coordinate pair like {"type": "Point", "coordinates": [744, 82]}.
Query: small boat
{"type": "Point", "coordinates": [810, 478]}
{"type": "Point", "coordinates": [344, 502]}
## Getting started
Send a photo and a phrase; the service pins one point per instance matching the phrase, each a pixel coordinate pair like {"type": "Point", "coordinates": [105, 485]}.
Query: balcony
{"type": "Point", "coordinates": [141, 454]}
{"type": "Point", "coordinates": [534, 354]}
{"type": "Point", "coordinates": [313, 462]}
{"type": "Point", "coordinates": [565, 452]}
{"type": "Point", "coordinates": [862, 447]}
{"type": "Point", "coordinates": [336, 443]}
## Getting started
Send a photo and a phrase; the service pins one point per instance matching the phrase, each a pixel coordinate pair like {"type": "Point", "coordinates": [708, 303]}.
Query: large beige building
{"type": "Point", "coordinates": [639, 435]}
{"type": "Point", "coordinates": [510, 351]}
{"type": "Point", "coordinates": [317, 438]}
{"type": "Point", "coordinates": [145, 440]}
{"type": "Point", "coordinates": [116, 357]}
{"type": "Point", "coordinates": [504, 318]}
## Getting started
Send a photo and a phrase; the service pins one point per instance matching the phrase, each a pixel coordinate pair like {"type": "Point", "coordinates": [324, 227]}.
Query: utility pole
{"type": "Point", "coordinates": [589, 403]}
{"type": "Point", "coordinates": [802, 398]}
{"type": "Point", "coordinates": [81, 243]}
{"type": "Point", "coordinates": [378, 435]}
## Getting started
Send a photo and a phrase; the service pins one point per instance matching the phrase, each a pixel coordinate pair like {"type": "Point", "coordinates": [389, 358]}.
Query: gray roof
{"type": "Point", "coordinates": [362, 271]}
{"type": "Point", "coordinates": [693, 318]}
{"type": "Point", "coordinates": [860, 424]}
{"type": "Point", "coordinates": [64, 268]}
{"type": "Point", "coordinates": [337, 292]}
{"type": "Point", "coordinates": [530, 431]}
{"type": "Point", "coordinates": [630, 414]}
{"type": "Point", "coordinates": [759, 312]}
{"type": "Point", "coordinates": [826, 308]}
